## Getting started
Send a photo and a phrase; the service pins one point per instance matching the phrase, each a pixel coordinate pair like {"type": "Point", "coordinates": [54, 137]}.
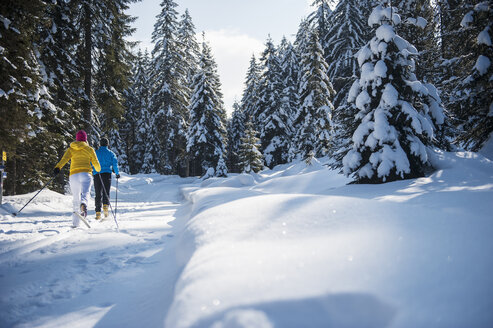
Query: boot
{"type": "Point", "coordinates": [105, 211]}
{"type": "Point", "coordinates": [98, 215]}
{"type": "Point", "coordinates": [83, 210]}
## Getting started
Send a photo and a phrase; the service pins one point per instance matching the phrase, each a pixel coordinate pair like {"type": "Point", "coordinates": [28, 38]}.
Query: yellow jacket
{"type": "Point", "coordinates": [81, 156]}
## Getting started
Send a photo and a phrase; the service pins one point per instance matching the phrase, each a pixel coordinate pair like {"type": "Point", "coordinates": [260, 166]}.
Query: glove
{"type": "Point", "coordinates": [56, 170]}
{"type": "Point", "coordinates": [118, 176]}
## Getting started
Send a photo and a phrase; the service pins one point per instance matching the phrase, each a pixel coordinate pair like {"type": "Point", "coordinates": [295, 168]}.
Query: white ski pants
{"type": "Point", "coordinates": [80, 185]}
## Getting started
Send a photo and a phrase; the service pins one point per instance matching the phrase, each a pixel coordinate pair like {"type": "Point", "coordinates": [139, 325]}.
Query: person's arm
{"type": "Point", "coordinates": [115, 166]}
{"type": "Point", "coordinates": [66, 157]}
{"type": "Point", "coordinates": [94, 161]}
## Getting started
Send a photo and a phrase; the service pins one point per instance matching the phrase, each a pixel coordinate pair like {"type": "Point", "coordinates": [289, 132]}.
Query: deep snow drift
{"type": "Point", "coordinates": [291, 247]}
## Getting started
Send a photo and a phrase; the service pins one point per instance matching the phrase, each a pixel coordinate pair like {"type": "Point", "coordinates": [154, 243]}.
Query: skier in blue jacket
{"type": "Point", "coordinates": [109, 164]}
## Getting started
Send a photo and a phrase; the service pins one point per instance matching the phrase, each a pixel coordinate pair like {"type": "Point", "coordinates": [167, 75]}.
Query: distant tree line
{"type": "Point", "coordinates": [372, 85]}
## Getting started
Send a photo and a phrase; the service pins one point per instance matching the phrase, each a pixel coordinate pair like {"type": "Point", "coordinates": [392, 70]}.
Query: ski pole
{"type": "Point", "coordinates": [108, 197]}
{"type": "Point", "coordinates": [116, 197]}
{"type": "Point", "coordinates": [15, 214]}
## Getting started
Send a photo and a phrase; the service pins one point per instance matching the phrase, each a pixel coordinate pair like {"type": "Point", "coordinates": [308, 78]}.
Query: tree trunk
{"type": "Point", "coordinates": [450, 17]}
{"type": "Point", "coordinates": [14, 174]}
{"type": "Point", "coordinates": [87, 103]}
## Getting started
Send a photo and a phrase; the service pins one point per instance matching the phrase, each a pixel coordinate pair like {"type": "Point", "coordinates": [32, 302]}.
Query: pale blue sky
{"type": "Point", "coordinates": [234, 28]}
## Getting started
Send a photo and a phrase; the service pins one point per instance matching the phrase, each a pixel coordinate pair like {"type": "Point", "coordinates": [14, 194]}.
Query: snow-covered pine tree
{"type": "Point", "coordinates": [191, 50]}
{"type": "Point", "coordinates": [419, 28]}
{"type": "Point", "coordinates": [271, 121]}
{"type": "Point", "coordinates": [300, 45]}
{"type": "Point", "coordinates": [250, 155]}
{"type": "Point", "coordinates": [55, 49]}
{"type": "Point", "coordinates": [134, 127]}
{"type": "Point", "coordinates": [348, 32]}
{"type": "Point", "coordinates": [269, 85]}
{"type": "Point", "coordinates": [281, 48]}
{"type": "Point", "coordinates": [187, 41]}
{"type": "Point", "coordinates": [144, 124]}
{"type": "Point", "coordinates": [397, 113]}
{"type": "Point", "coordinates": [26, 109]}
{"type": "Point", "coordinates": [118, 146]}
{"type": "Point", "coordinates": [169, 96]}
{"type": "Point", "coordinates": [162, 81]}
{"type": "Point", "coordinates": [249, 99]}
{"type": "Point", "coordinates": [127, 126]}
{"type": "Point", "coordinates": [236, 130]}
{"type": "Point", "coordinates": [313, 121]}
{"type": "Point", "coordinates": [321, 20]}
{"type": "Point", "coordinates": [136, 124]}
{"type": "Point", "coordinates": [475, 89]}
{"type": "Point", "coordinates": [302, 37]}
{"type": "Point", "coordinates": [113, 67]}
{"type": "Point", "coordinates": [449, 69]}
{"type": "Point", "coordinates": [206, 141]}
{"type": "Point", "coordinates": [102, 60]}
{"type": "Point", "coordinates": [290, 68]}
{"type": "Point", "coordinates": [67, 41]}
{"type": "Point", "coordinates": [221, 168]}
{"type": "Point", "coordinates": [450, 14]}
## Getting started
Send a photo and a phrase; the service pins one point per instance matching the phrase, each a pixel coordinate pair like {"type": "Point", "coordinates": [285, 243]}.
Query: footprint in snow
{"type": "Point", "coordinates": [49, 232]}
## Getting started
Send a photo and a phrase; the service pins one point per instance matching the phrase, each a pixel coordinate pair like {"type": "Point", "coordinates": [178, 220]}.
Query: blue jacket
{"type": "Point", "coordinates": [108, 161]}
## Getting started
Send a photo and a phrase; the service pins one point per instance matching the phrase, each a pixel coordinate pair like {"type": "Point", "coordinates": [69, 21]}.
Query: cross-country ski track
{"type": "Point", "coordinates": [92, 277]}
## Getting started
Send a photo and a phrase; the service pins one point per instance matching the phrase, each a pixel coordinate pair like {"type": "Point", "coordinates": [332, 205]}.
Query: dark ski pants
{"type": "Point", "coordinates": [98, 188]}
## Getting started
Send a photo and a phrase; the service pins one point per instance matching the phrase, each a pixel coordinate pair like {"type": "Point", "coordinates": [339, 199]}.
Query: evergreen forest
{"type": "Point", "coordinates": [371, 85]}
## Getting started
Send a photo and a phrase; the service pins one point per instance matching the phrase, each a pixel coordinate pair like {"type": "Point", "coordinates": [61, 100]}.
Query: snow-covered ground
{"type": "Point", "coordinates": [290, 247]}
{"type": "Point", "coordinates": [54, 276]}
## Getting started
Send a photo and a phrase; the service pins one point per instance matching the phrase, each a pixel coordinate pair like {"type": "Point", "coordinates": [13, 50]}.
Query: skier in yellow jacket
{"type": "Point", "coordinates": [81, 156]}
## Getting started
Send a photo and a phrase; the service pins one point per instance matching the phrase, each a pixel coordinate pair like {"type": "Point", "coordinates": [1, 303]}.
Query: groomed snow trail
{"type": "Point", "coordinates": [54, 276]}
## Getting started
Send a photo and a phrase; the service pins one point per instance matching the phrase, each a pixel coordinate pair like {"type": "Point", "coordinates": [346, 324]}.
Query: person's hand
{"type": "Point", "coordinates": [56, 170]}
{"type": "Point", "coordinates": [118, 176]}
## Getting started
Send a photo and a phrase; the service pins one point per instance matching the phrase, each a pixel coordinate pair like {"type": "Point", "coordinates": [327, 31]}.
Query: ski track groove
{"type": "Point", "coordinates": [60, 264]}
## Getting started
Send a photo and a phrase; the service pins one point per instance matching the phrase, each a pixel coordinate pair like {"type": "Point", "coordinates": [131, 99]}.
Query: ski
{"type": "Point", "coordinates": [103, 218]}
{"type": "Point", "coordinates": [83, 219]}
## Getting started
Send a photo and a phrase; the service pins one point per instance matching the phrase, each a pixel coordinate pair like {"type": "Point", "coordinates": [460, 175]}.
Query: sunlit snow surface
{"type": "Point", "coordinates": [290, 247]}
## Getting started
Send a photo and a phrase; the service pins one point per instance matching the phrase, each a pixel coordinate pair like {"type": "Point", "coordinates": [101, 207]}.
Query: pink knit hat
{"type": "Point", "coordinates": [81, 136]}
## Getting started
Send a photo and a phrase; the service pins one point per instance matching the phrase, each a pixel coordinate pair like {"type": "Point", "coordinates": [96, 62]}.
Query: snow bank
{"type": "Point", "coordinates": [300, 248]}
{"type": "Point", "coordinates": [487, 150]}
